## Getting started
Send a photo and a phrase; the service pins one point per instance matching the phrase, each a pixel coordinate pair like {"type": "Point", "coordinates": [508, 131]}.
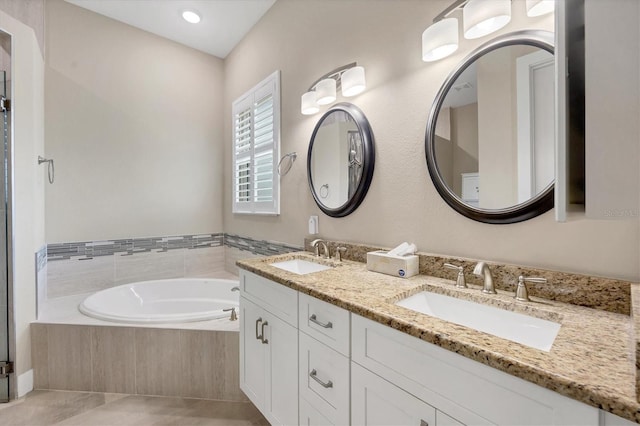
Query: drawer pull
{"type": "Point", "coordinates": [264, 341]}
{"type": "Point", "coordinates": [258, 321]}
{"type": "Point", "coordinates": [314, 376]}
{"type": "Point", "coordinates": [314, 320]}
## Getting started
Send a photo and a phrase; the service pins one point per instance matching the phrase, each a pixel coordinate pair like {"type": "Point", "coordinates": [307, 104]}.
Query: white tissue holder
{"type": "Point", "coordinates": [398, 266]}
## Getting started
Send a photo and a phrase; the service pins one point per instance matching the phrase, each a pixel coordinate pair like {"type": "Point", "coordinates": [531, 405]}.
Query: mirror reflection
{"type": "Point", "coordinates": [494, 133]}
{"type": "Point", "coordinates": [336, 159]}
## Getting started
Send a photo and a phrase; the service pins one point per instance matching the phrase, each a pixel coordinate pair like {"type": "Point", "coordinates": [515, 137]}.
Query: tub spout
{"type": "Point", "coordinates": [236, 288]}
{"type": "Point", "coordinates": [234, 316]}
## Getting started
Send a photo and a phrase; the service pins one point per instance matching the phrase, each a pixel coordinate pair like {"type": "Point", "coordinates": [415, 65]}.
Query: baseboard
{"type": "Point", "coordinates": [25, 383]}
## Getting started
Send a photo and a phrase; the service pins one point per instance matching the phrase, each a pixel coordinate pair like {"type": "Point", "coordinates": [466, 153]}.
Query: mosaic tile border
{"type": "Point", "coordinates": [131, 246]}
{"type": "Point", "coordinates": [261, 247]}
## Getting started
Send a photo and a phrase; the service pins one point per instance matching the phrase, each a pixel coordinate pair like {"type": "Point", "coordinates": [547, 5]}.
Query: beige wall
{"type": "Point", "coordinates": [134, 124]}
{"type": "Point", "coordinates": [28, 183]}
{"type": "Point", "coordinates": [305, 39]}
{"type": "Point", "coordinates": [30, 13]}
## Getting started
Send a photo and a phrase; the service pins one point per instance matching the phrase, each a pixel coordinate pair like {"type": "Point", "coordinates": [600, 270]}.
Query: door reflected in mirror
{"type": "Point", "coordinates": [336, 160]}
{"type": "Point", "coordinates": [494, 134]}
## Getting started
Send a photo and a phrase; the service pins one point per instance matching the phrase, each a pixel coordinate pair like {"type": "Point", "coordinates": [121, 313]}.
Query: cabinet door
{"type": "Point", "coordinates": [374, 401]}
{"type": "Point", "coordinates": [252, 358]}
{"type": "Point", "coordinates": [282, 371]}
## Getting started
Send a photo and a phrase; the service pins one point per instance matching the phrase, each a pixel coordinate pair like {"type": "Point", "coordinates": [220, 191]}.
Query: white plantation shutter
{"type": "Point", "coordinates": [256, 146]}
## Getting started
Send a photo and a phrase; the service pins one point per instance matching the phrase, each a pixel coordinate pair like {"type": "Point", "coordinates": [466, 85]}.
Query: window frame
{"type": "Point", "coordinates": [249, 102]}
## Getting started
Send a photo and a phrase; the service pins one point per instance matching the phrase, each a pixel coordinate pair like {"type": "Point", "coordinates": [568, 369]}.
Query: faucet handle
{"type": "Point", "coordinates": [460, 281]}
{"type": "Point", "coordinates": [522, 293]}
{"type": "Point", "coordinates": [339, 252]}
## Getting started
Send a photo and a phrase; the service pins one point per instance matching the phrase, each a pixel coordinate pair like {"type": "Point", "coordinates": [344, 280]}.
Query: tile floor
{"type": "Point", "coordinates": [105, 409]}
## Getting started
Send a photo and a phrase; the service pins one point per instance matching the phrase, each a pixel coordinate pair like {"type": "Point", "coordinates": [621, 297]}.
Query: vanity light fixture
{"type": "Point", "coordinates": [191, 16]}
{"type": "Point", "coordinates": [482, 17]}
{"type": "Point", "coordinates": [539, 7]}
{"type": "Point", "coordinates": [350, 79]}
{"type": "Point", "coordinates": [440, 40]}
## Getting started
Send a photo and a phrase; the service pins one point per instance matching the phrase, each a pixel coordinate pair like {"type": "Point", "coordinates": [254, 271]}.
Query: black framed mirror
{"type": "Point", "coordinates": [340, 160]}
{"type": "Point", "coordinates": [490, 138]}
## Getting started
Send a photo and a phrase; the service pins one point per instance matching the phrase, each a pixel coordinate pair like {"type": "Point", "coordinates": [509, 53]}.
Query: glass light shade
{"type": "Point", "coordinates": [326, 91]}
{"type": "Point", "coordinates": [440, 40]}
{"type": "Point", "coordinates": [191, 16]}
{"type": "Point", "coordinates": [482, 17]}
{"type": "Point", "coordinates": [540, 7]}
{"type": "Point", "coordinates": [353, 81]}
{"type": "Point", "coordinates": [308, 105]}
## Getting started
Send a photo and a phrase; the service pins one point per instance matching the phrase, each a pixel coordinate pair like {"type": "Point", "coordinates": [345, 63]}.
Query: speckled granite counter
{"type": "Point", "coordinates": [592, 359]}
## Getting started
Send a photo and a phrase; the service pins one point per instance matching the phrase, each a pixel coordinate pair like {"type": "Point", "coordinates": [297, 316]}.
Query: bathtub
{"type": "Point", "coordinates": [163, 301]}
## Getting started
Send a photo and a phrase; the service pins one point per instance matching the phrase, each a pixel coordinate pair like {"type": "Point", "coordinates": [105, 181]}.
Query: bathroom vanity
{"type": "Point", "coordinates": [333, 347]}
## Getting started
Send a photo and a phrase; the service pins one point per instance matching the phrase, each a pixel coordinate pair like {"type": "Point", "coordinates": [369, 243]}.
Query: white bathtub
{"type": "Point", "coordinates": [163, 301]}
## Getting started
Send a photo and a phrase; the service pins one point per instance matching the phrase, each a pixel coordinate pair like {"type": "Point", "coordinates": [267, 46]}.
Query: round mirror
{"type": "Point", "coordinates": [340, 160]}
{"type": "Point", "coordinates": [490, 140]}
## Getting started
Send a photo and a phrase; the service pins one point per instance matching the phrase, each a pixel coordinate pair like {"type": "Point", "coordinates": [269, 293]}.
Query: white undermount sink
{"type": "Point", "coordinates": [527, 330]}
{"type": "Point", "coordinates": [300, 266]}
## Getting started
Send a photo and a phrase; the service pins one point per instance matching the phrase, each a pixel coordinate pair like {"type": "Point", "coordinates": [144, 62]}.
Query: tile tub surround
{"type": "Point", "coordinates": [137, 360]}
{"type": "Point", "coordinates": [592, 292]}
{"type": "Point", "coordinates": [81, 267]}
{"type": "Point", "coordinates": [592, 359]}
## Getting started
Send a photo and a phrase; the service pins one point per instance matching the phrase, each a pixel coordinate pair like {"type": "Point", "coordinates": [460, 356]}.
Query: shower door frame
{"type": "Point", "coordinates": [7, 149]}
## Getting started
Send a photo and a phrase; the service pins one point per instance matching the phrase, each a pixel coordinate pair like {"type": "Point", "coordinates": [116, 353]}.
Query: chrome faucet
{"type": "Point", "coordinates": [322, 244]}
{"type": "Point", "coordinates": [482, 270]}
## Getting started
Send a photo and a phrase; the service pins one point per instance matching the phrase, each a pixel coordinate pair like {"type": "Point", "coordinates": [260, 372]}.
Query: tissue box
{"type": "Point", "coordinates": [398, 266]}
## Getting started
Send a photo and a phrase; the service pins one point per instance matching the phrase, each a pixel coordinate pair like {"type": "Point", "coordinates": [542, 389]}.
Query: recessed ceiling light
{"type": "Point", "coordinates": [191, 16]}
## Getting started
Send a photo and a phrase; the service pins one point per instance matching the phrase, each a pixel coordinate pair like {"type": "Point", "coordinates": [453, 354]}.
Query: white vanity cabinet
{"type": "Point", "coordinates": [459, 389]}
{"type": "Point", "coordinates": [269, 347]}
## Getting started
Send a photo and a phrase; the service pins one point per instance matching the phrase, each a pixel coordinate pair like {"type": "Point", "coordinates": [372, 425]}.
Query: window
{"type": "Point", "coordinates": [256, 147]}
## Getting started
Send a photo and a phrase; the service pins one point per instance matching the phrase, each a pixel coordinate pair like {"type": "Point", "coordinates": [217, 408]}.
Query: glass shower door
{"type": "Point", "coordinates": [4, 206]}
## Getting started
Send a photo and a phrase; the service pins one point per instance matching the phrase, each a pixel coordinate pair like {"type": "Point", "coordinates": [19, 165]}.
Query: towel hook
{"type": "Point", "coordinates": [51, 171]}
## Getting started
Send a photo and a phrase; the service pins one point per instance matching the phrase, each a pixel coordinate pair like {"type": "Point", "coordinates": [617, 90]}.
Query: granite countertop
{"type": "Point", "coordinates": [592, 359]}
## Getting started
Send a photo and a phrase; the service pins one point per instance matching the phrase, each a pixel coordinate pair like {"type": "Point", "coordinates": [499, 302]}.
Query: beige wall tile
{"type": "Point", "coordinates": [149, 266]}
{"type": "Point", "coordinates": [210, 365]}
{"type": "Point", "coordinates": [69, 357]}
{"type": "Point", "coordinates": [73, 276]}
{"type": "Point", "coordinates": [113, 359]}
{"type": "Point", "coordinates": [232, 254]}
{"type": "Point", "coordinates": [158, 363]}
{"type": "Point", "coordinates": [40, 355]}
{"type": "Point", "coordinates": [204, 262]}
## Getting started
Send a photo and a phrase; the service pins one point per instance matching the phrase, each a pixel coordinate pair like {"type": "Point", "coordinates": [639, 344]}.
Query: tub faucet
{"type": "Point", "coordinates": [236, 288]}
{"type": "Point", "coordinates": [482, 269]}
{"type": "Point", "coordinates": [323, 244]}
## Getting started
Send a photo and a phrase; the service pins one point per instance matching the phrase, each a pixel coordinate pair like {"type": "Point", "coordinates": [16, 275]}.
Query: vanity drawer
{"type": "Point", "coordinates": [325, 322]}
{"type": "Point", "coordinates": [324, 379]}
{"type": "Point", "coordinates": [273, 297]}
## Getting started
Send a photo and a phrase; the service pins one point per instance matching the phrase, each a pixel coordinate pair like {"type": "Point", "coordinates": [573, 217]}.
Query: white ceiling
{"type": "Point", "coordinates": [224, 22]}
